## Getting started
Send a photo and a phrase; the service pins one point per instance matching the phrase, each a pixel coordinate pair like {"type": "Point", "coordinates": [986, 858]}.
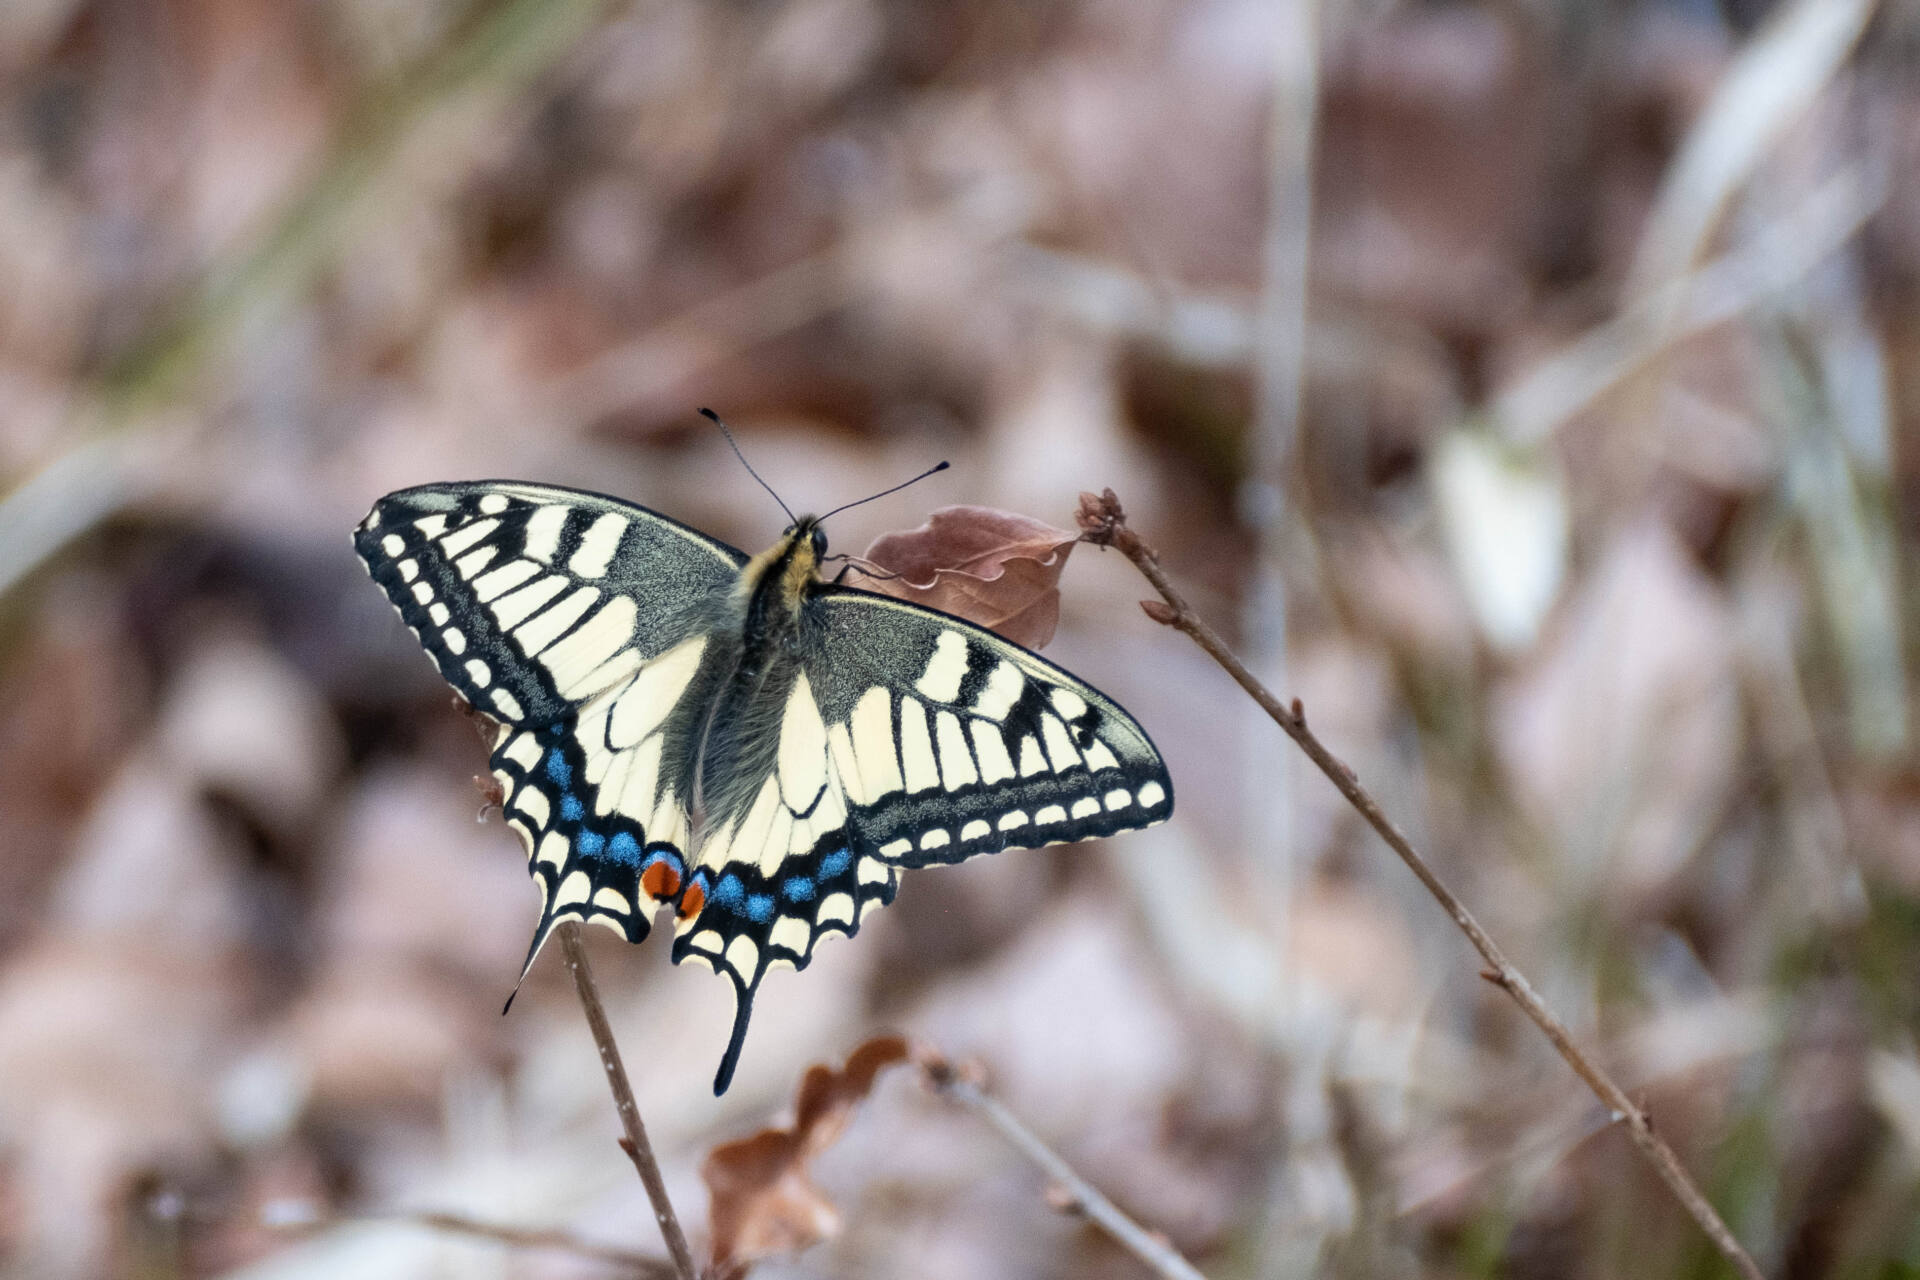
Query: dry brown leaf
{"type": "Point", "coordinates": [763, 1202]}
{"type": "Point", "coordinates": [993, 567]}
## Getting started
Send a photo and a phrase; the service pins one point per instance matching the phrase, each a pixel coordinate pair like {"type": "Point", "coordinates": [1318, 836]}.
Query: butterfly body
{"type": "Point", "coordinates": [770, 621]}
{"type": "Point", "coordinates": [764, 752]}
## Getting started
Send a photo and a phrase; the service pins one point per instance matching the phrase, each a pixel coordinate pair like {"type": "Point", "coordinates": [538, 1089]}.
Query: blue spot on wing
{"type": "Point", "coordinates": [590, 843]}
{"type": "Point", "coordinates": [668, 857]}
{"type": "Point", "coordinates": [558, 769]}
{"type": "Point", "coordinates": [835, 863]}
{"type": "Point", "coordinates": [760, 907]}
{"type": "Point", "coordinates": [571, 808]}
{"type": "Point", "coordinates": [729, 893]}
{"type": "Point", "coordinates": [624, 848]}
{"type": "Point", "coordinates": [798, 889]}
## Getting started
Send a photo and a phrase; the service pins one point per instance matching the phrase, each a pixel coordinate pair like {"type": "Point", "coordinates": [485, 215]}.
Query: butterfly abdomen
{"type": "Point", "coordinates": [742, 738]}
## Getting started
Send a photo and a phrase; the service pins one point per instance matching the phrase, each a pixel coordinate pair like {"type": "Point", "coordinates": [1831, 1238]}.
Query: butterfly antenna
{"type": "Point", "coordinates": [933, 470]}
{"type": "Point", "coordinates": [714, 418]}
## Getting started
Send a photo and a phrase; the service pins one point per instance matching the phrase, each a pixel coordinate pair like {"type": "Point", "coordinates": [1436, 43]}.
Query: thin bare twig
{"type": "Point", "coordinates": [1078, 1195]}
{"type": "Point", "coordinates": [641, 1265]}
{"type": "Point", "coordinates": [297, 1218]}
{"type": "Point", "coordinates": [635, 1143]}
{"type": "Point", "coordinates": [1103, 523]}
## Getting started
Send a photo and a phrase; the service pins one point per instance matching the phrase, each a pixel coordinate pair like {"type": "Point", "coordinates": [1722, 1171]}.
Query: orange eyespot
{"type": "Point", "coordinates": [660, 881]}
{"type": "Point", "coordinates": [690, 904]}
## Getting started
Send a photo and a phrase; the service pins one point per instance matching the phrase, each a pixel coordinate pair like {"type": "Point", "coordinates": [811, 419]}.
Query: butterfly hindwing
{"type": "Point", "coordinates": [906, 737]}
{"type": "Point", "coordinates": [578, 623]}
{"type": "Point", "coordinates": [786, 864]}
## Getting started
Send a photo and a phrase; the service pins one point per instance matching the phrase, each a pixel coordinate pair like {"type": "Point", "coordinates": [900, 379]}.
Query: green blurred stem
{"type": "Point", "coordinates": [1103, 523]}
{"type": "Point", "coordinates": [502, 45]}
{"type": "Point", "coordinates": [635, 1143]}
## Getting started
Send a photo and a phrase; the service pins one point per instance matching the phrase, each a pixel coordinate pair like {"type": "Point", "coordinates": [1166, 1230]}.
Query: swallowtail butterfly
{"type": "Point", "coordinates": [682, 724]}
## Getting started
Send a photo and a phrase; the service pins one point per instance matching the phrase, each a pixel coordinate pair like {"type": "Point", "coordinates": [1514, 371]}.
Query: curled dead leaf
{"type": "Point", "coordinates": [491, 790]}
{"type": "Point", "coordinates": [763, 1202]}
{"type": "Point", "coordinates": [1098, 515]}
{"type": "Point", "coordinates": [993, 567]}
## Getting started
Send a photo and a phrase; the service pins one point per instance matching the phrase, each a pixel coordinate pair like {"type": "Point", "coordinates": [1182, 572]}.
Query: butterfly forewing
{"type": "Point", "coordinates": [531, 599]}
{"type": "Point", "coordinates": [981, 745]}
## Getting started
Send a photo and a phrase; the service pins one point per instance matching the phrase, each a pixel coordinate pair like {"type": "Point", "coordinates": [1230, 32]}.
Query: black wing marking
{"type": "Point", "coordinates": [577, 622]}
{"type": "Point", "coordinates": [908, 737]}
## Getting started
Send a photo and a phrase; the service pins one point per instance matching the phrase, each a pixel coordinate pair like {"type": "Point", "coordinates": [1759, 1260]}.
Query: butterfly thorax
{"type": "Point", "coordinates": [774, 585]}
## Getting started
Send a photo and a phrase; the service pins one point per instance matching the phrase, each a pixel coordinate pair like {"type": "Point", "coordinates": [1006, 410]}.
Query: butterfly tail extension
{"type": "Point", "coordinates": [540, 936]}
{"type": "Point", "coordinates": [632, 926]}
{"type": "Point", "coordinates": [741, 921]}
{"type": "Point", "coordinates": [742, 1011]}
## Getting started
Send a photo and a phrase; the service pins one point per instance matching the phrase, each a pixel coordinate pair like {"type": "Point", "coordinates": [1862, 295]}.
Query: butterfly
{"type": "Point", "coordinates": [681, 724]}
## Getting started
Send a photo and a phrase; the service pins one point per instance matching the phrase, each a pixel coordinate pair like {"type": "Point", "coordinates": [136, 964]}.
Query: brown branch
{"type": "Point", "coordinates": [1104, 524]}
{"type": "Point", "coordinates": [1071, 1192]}
{"type": "Point", "coordinates": [297, 1218]}
{"type": "Point", "coordinates": [635, 1143]}
{"type": "Point", "coordinates": [640, 1265]}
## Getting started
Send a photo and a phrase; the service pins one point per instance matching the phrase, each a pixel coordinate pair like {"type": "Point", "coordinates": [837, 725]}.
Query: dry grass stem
{"type": "Point", "coordinates": [639, 1265]}
{"type": "Point", "coordinates": [1778, 258]}
{"type": "Point", "coordinates": [674, 350]}
{"type": "Point", "coordinates": [295, 1220]}
{"type": "Point", "coordinates": [1279, 355]}
{"type": "Point", "coordinates": [1774, 81]}
{"type": "Point", "coordinates": [1104, 524]}
{"type": "Point", "coordinates": [635, 1144]}
{"type": "Point", "coordinates": [1068, 1191]}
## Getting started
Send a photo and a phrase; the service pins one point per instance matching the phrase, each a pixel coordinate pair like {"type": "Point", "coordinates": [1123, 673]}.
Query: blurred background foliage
{"type": "Point", "coordinates": [1532, 387]}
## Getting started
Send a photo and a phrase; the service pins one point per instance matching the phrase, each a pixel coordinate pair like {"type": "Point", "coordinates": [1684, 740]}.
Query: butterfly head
{"type": "Point", "coordinates": [809, 537]}
{"type": "Point", "coordinates": [776, 582]}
